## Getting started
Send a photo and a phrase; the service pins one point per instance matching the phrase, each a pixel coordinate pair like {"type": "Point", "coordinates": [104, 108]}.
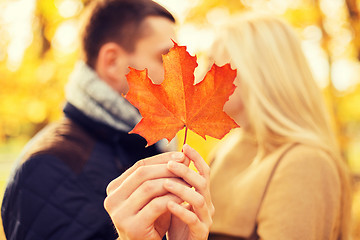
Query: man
{"type": "Point", "coordinates": [59, 186]}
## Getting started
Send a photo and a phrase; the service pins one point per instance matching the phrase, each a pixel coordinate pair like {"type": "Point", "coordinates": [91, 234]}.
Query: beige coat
{"type": "Point", "coordinates": [293, 193]}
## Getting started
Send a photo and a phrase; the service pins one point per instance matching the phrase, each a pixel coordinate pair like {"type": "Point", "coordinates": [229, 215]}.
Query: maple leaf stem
{"type": "Point", "coordinates": [186, 129]}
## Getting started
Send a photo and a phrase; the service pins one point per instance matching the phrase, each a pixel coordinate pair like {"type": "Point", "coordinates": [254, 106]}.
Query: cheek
{"type": "Point", "coordinates": [234, 106]}
{"type": "Point", "coordinates": [156, 72]}
{"type": "Point", "coordinates": [154, 67]}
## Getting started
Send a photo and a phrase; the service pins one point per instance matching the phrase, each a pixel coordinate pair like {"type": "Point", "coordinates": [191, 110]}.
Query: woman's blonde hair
{"type": "Point", "coordinates": [281, 99]}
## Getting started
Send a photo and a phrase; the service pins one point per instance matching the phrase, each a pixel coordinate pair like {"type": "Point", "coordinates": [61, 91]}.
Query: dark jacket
{"type": "Point", "coordinates": [59, 186]}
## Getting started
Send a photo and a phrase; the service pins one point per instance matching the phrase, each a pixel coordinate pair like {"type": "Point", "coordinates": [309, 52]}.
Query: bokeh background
{"type": "Point", "coordinates": [39, 46]}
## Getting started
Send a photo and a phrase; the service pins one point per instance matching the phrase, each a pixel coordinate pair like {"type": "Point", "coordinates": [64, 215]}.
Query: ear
{"type": "Point", "coordinates": [112, 66]}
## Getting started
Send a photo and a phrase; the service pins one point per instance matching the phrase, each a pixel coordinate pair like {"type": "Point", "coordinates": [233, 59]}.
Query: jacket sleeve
{"type": "Point", "coordinates": [46, 200]}
{"type": "Point", "coordinates": [303, 198]}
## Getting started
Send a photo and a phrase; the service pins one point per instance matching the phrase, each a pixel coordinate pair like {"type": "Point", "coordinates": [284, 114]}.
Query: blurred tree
{"type": "Point", "coordinates": [352, 6]}
{"type": "Point", "coordinates": [32, 93]}
{"type": "Point", "coordinates": [199, 12]}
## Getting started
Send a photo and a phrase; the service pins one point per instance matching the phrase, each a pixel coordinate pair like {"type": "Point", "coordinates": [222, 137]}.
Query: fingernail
{"type": "Point", "coordinates": [178, 156]}
{"type": "Point", "coordinates": [172, 164]}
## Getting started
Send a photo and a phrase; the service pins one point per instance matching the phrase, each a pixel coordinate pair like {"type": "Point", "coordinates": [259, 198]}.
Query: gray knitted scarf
{"type": "Point", "coordinates": [96, 99]}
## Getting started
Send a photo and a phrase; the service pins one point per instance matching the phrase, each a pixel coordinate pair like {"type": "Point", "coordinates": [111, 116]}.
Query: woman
{"type": "Point", "coordinates": [282, 177]}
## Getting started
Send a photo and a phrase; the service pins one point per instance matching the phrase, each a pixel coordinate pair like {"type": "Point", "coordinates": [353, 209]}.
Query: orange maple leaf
{"type": "Point", "coordinates": [177, 103]}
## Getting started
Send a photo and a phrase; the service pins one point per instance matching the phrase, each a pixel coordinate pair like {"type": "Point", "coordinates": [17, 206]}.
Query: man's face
{"type": "Point", "coordinates": [150, 48]}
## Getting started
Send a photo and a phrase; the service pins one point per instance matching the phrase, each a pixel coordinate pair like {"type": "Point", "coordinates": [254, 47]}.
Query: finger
{"type": "Point", "coordinates": [148, 191]}
{"type": "Point", "coordinates": [200, 183]}
{"type": "Point", "coordinates": [195, 199]}
{"type": "Point", "coordinates": [189, 175]}
{"type": "Point", "coordinates": [200, 164]}
{"type": "Point", "coordinates": [158, 159]}
{"type": "Point", "coordinates": [138, 177]}
{"type": "Point", "coordinates": [196, 227]}
{"type": "Point", "coordinates": [120, 210]}
{"type": "Point", "coordinates": [186, 161]}
{"type": "Point", "coordinates": [155, 208]}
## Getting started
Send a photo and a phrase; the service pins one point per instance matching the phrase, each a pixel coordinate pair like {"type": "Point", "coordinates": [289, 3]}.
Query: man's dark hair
{"type": "Point", "coordinates": [117, 21]}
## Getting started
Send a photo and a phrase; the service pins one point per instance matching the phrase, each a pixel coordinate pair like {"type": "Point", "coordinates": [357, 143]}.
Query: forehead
{"type": "Point", "coordinates": [157, 33]}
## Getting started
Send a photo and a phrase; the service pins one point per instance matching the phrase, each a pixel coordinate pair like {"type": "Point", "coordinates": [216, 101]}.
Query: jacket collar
{"type": "Point", "coordinates": [100, 130]}
{"type": "Point", "coordinates": [134, 144]}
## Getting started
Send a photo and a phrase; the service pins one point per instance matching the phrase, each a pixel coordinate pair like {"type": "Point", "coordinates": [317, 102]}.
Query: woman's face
{"type": "Point", "coordinates": [234, 107]}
